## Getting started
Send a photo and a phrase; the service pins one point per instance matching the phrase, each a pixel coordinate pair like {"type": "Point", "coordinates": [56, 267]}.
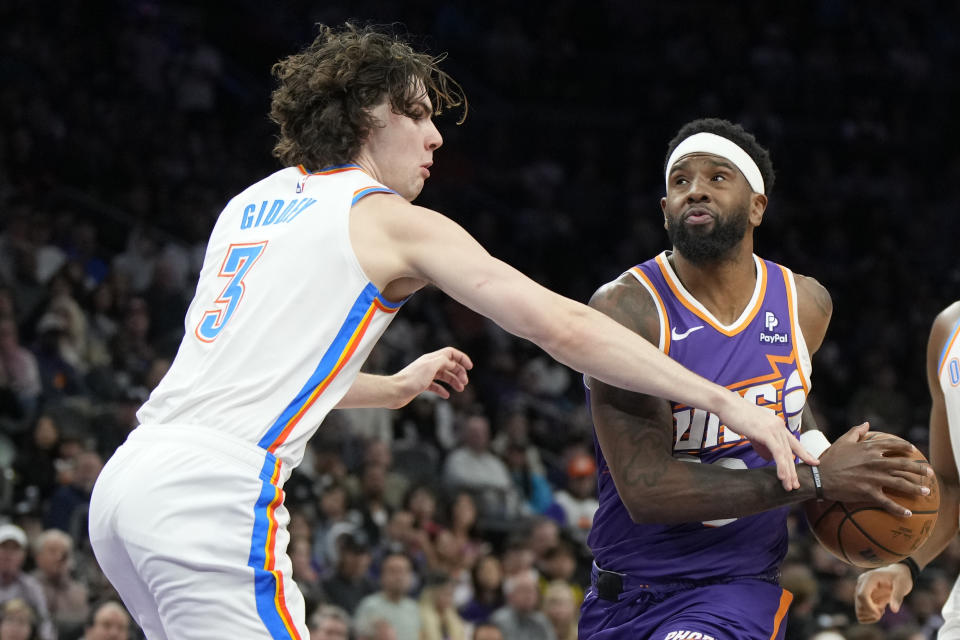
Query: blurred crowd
{"type": "Point", "coordinates": [126, 125]}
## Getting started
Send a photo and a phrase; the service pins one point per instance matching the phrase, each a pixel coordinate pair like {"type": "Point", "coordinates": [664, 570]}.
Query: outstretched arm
{"type": "Point", "coordinates": [447, 365]}
{"type": "Point", "coordinates": [407, 242]}
{"type": "Point", "coordinates": [889, 585]}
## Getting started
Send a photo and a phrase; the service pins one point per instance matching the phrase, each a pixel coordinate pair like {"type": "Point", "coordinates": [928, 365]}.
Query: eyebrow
{"type": "Point", "coordinates": [718, 162]}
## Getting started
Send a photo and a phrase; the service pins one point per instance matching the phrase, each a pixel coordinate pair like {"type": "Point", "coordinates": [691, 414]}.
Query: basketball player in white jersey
{"type": "Point", "coordinates": [303, 272]}
{"type": "Point", "coordinates": [887, 586]}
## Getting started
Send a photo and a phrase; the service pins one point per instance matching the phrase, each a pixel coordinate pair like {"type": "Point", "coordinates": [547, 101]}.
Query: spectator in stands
{"type": "Point", "coordinates": [67, 510]}
{"type": "Point", "coordinates": [396, 484]}
{"type": "Point", "coordinates": [559, 564]}
{"type": "Point", "coordinates": [17, 620]}
{"type": "Point", "coordinates": [438, 617]}
{"type": "Point", "coordinates": [329, 622]}
{"type": "Point", "coordinates": [66, 596]}
{"type": "Point", "coordinates": [579, 500]}
{"type": "Point", "coordinates": [392, 602]}
{"type": "Point", "coordinates": [462, 516]}
{"type": "Point", "coordinates": [109, 621]}
{"type": "Point", "coordinates": [560, 608]}
{"type": "Point", "coordinates": [487, 577]}
{"type": "Point", "coordinates": [305, 573]}
{"type": "Point", "coordinates": [350, 582]}
{"type": "Point", "coordinates": [531, 485]}
{"type": "Point", "coordinates": [473, 467]}
{"type": "Point", "coordinates": [19, 374]}
{"type": "Point", "coordinates": [487, 631]}
{"type": "Point", "coordinates": [34, 465]}
{"type": "Point", "coordinates": [421, 501]}
{"type": "Point", "coordinates": [543, 535]}
{"type": "Point", "coordinates": [518, 555]}
{"type": "Point", "coordinates": [371, 501]}
{"type": "Point", "coordinates": [58, 375]}
{"type": "Point", "coordinates": [520, 618]}
{"type": "Point", "coordinates": [379, 629]}
{"type": "Point", "coordinates": [401, 536]}
{"type": "Point", "coordinates": [446, 559]}
{"type": "Point", "coordinates": [14, 583]}
{"type": "Point", "coordinates": [515, 430]}
{"type": "Point", "coordinates": [336, 518]}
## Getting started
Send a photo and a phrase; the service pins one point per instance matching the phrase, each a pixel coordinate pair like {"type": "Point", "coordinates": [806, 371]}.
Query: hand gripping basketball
{"type": "Point", "coordinates": [882, 499]}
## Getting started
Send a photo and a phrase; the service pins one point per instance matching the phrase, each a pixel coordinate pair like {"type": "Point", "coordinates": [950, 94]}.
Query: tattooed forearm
{"type": "Point", "coordinates": [638, 452]}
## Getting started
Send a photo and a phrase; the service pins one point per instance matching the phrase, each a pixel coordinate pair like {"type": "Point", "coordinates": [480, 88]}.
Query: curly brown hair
{"type": "Point", "coordinates": [327, 90]}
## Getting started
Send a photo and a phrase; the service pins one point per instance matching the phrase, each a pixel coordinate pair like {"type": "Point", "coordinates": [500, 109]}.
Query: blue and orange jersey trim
{"type": "Point", "coordinates": [946, 348]}
{"type": "Point", "coordinates": [329, 170]}
{"type": "Point", "coordinates": [359, 194]}
{"type": "Point", "coordinates": [337, 355]}
{"type": "Point", "coordinates": [268, 581]}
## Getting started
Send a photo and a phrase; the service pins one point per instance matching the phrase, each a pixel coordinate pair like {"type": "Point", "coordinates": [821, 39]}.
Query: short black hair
{"type": "Point", "coordinates": [733, 132]}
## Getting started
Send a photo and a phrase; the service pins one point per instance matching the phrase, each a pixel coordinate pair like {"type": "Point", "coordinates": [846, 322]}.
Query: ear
{"type": "Point", "coordinates": [663, 207]}
{"type": "Point", "coordinates": [758, 205]}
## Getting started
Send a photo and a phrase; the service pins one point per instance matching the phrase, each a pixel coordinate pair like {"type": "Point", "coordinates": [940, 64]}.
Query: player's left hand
{"type": "Point", "coordinates": [447, 365]}
{"type": "Point", "coordinates": [878, 588]}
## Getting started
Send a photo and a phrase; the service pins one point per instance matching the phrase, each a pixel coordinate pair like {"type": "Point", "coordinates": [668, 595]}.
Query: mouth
{"type": "Point", "coordinates": [697, 216]}
{"type": "Point", "coordinates": [425, 170]}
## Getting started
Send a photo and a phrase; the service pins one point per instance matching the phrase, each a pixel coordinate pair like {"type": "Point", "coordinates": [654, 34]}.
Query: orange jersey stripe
{"type": "Point", "coordinates": [785, 599]}
{"type": "Point", "coordinates": [685, 299]}
{"type": "Point", "coordinates": [665, 321]}
{"type": "Point", "coordinates": [282, 607]}
{"type": "Point", "coordinates": [795, 323]}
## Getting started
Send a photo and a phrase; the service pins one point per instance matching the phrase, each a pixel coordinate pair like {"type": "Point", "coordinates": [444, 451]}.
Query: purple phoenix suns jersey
{"type": "Point", "coordinates": [761, 356]}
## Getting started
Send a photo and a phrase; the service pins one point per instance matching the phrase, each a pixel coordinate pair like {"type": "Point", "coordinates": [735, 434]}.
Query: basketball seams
{"type": "Point", "coordinates": [866, 535]}
{"type": "Point", "coordinates": [873, 528]}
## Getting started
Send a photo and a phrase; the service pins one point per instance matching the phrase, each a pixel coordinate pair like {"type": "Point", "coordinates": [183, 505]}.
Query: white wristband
{"type": "Point", "coordinates": [815, 442]}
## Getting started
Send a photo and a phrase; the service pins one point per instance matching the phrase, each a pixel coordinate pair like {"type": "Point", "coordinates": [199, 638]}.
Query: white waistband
{"type": "Point", "coordinates": [195, 436]}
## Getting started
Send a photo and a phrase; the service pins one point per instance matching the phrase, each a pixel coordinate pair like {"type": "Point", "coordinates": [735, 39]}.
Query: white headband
{"type": "Point", "coordinates": [719, 146]}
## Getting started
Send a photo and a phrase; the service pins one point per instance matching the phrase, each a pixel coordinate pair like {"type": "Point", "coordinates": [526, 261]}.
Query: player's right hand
{"type": "Point", "coordinates": [855, 471]}
{"type": "Point", "coordinates": [878, 588]}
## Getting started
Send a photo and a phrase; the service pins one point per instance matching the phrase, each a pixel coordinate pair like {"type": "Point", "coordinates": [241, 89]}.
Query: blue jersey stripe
{"type": "Point", "coordinates": [265, 582]}
{"type": "Point", "coordinates": [327, 363]}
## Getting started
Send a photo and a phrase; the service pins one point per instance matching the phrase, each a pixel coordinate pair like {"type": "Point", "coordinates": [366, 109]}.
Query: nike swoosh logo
{"type": "Point", "coordinates": [680, 336]}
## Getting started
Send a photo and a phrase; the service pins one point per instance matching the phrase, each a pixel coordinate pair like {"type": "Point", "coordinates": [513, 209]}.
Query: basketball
{"type": "Point", "coordinates": [863, 534]}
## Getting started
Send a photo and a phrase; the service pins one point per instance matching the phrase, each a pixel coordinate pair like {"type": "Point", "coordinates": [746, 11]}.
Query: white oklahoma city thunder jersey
{"type": "Point", "coordinates": [283, 316]}
{"type": "Point", "coordinates": [949, 370]}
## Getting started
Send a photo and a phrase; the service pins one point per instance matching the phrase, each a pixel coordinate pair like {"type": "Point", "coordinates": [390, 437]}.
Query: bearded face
{"type": "Point", "coordinates": [711, 242]}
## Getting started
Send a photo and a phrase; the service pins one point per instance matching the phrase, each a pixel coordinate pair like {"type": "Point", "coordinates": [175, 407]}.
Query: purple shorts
{"type": "Point", "coordinates": [735, 609]}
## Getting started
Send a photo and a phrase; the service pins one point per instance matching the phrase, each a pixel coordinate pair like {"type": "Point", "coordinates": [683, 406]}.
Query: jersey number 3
{"type": "Point", "coordinates": [240, 259]}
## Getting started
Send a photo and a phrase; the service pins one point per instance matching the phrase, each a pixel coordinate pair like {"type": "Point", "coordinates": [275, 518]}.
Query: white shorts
{"type": "Point", "coordinates": [189, 526]}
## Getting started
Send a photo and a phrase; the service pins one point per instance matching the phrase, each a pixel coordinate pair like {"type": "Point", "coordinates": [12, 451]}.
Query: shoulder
{"type": "Point", "coordinates": [944, 326]}
{"type": "Point", "coordinates": [629, 303]}
{"type": "Point", "coordinates": [814, 309]}
{"type": "Point", "coordinates": [946, 321]}
{"type": "Point", "coordinates": [392, 213]}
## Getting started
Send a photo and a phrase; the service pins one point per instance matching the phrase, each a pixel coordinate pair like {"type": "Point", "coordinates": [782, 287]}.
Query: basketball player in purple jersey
{"type": "Point", "coordinates": [887, 586]}
{"type": "Point", "coordinates": [691, 527]}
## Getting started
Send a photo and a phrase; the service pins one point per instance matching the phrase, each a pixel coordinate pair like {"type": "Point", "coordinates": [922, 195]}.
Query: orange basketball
{"type": "Point", "coordinates": [865, 535]}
